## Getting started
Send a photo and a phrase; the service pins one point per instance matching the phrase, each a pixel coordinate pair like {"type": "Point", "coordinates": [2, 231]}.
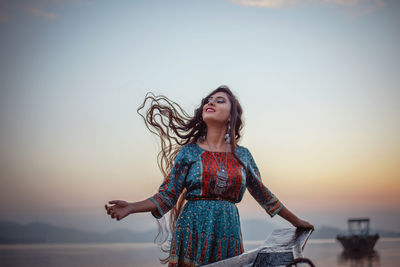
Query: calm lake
{"type": "Point", "coordinates": [323, 252]}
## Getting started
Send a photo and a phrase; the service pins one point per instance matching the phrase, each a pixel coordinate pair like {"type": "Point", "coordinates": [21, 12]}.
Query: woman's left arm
{"type": "Point", "coordinates": [293, 219]}
{"type": "Point", "coordinates": [266, 198]}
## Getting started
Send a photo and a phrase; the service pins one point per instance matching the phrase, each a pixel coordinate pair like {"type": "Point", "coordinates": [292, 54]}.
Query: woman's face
{"type": "Point", "coordinates": [217, 109]}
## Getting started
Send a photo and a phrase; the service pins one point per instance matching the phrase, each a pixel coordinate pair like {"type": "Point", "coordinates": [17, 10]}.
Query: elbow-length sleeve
{"type": "Point", "coordinates": [258, 190]}
{"type": "Point", "coordinates": [172, 186]}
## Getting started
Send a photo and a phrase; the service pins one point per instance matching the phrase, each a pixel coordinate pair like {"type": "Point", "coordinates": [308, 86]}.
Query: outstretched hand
{"type": "Point", "coordinates": [119, 209]}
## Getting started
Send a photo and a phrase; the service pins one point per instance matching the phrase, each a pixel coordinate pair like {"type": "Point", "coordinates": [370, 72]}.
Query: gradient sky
{"type": "Point", "coordinates": [318, 81]}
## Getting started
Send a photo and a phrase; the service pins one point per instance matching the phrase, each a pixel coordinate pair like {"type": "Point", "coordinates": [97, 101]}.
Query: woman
{"type": "Point", "coordinates": [210, 171]}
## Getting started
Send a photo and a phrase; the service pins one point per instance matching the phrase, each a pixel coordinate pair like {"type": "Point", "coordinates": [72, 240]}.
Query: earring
{"type": "Point", "coordinates": [228, 135]}
{"type": "Point", "coordinates": [202, 137]}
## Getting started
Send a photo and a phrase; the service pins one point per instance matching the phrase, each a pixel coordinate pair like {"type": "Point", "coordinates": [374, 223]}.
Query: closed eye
{"type": "Point", "coordinates": [220, 99]}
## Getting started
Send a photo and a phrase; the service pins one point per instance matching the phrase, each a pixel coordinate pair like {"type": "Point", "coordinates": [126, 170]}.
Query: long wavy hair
{"type": "Point", "coordinates": [175, 128]}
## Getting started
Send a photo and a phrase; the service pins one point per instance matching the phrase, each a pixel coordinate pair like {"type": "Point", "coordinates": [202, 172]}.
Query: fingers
{"type": "Point", "coordinates": [112, 212]}
{"type": "Point", "coordinates": [115, 210]}
{"type": "Point", "coordinates": [108, 209]}
{"type": "Point", "coordinates": [309, 225]}
{"type": "Point", "coordinates": [304, 224]}
{"type": "Point", "coordinates": [116, 216]}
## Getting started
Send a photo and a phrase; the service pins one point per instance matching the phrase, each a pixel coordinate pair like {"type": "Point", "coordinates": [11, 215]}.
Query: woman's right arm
{"type": "Point", "coordinates": [161, 202]}
{"type": "Point", "coordinates": [119, 209]}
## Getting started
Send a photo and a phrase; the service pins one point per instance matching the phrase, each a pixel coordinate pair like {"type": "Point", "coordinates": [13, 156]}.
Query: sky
{"type": "Point", "coordinates": [318, 82]}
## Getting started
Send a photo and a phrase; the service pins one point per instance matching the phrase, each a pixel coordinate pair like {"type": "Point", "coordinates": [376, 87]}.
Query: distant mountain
{"type": "Point", "coordinates": [385, 233]}
{"type": "Point", "coordinates": [11, 232]}
{"type": "Point", "coordinates": [258, 229]}
{"type": "Point", "coordinates": [325, 232]}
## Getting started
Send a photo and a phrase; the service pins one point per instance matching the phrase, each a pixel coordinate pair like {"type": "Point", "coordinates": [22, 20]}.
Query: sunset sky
{"type": "Point", "coordinates": [318, 81]}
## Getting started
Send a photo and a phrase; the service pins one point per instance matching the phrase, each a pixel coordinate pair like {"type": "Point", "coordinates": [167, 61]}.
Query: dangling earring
{"type": "Point", "coordinates": [202, 138]}
{"type": "Point", "coordinates": [228, 134]}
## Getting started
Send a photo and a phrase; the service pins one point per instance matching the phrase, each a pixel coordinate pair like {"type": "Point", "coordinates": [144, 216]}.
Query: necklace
{"type": "Point", "coordinates": [222, 174]}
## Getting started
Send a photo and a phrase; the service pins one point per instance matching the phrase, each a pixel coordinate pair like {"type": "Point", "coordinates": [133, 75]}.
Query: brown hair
{"type": "Point", "coordinates": [175, 128]}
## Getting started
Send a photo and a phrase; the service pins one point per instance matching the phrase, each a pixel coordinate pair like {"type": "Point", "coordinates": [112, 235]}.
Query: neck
{"type": "Point", "coordinates": [215, 139]}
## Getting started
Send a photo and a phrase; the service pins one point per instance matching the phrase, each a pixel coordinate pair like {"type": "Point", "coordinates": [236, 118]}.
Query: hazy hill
{"type": "Point", "coordinates": [11, 232]}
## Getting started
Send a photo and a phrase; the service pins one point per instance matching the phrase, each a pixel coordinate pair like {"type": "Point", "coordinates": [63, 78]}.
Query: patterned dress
{"type": "Point", "coordinates": [208, 230]}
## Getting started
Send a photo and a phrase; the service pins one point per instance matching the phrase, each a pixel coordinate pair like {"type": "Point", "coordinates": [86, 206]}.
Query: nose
{"type": "Point", "coordinates": [211, 102]}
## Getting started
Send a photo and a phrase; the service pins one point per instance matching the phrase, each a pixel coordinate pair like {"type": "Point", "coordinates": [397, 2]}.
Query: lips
{"type": "Point", "coordinates": [210, 110]}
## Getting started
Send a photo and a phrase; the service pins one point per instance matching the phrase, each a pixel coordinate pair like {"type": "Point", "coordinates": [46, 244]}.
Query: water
{"type": "Point", "coordinates": [329, 253]}
{"type": "Point", "coordinates": [323, 252]}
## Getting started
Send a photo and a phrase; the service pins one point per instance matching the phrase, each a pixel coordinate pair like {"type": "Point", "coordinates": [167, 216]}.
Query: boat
{"type": "Point", "coordinates": [358, 238]}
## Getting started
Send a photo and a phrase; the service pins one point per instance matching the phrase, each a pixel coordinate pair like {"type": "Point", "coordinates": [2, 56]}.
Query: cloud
{"type": "Point", "coordinates": [41, 13]}
{"type": "Point", "coordinates": [266, 3]}
{"type": "Point", "coordinates": [358, 7]}
{"type": "Point", "coordinates": [364, 6]}
{"type": "Point", "coordinates": [343, 2]}
{"type": "Point", "coordinates": [11, 9]}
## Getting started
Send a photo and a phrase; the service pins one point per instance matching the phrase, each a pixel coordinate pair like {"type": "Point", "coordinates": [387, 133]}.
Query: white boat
{"type": "Point", "coordinates": [283, 247]}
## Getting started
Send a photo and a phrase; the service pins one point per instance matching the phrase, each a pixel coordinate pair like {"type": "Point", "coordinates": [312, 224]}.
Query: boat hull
{"type": "Point", "coordinates": [357, 243]}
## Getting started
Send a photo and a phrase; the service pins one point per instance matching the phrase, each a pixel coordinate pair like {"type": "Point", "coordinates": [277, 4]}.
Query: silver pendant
{"type": "Point", "coordinates": [222, 181]}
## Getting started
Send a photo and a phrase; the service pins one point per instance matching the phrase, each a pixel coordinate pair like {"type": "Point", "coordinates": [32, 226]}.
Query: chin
{"type": "Point", "coordinates": [211, 119]}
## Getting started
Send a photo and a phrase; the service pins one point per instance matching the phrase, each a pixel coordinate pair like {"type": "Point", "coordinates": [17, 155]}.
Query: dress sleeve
{"type": "Point", "coordinates": [258, 190]}
{"type": "Point", "coordinates": [172, 186]}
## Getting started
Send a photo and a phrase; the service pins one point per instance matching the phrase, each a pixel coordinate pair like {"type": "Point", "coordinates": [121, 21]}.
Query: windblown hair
{"type": "Point", "coordinates": [175, 128]}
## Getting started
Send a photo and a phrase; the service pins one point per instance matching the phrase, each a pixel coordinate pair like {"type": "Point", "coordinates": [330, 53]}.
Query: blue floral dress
{"type": "Point", "coordinates": [208, 229]}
